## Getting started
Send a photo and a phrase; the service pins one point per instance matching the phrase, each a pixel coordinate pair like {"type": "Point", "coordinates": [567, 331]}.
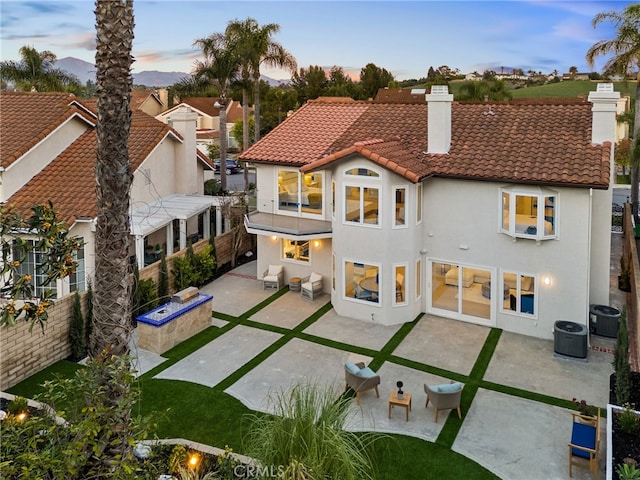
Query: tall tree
{"type": "Point", "coordinates": [220, 68]}
{"type": "Point", "coordinates": [310, 84]}
{"type": "Point", "coordinates": [625, 51]}
{"type": "Point", "coordinates": [36, 71]}
{"type": "Point", "coordinates": [112, 282]}
{"type": "Point", "coordinates": [111, 329]}
{"type": "Point", "coordinates": [373, 78]}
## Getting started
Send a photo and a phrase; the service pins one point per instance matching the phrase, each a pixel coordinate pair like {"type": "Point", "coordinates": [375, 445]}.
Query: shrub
{"type": "Point", "coordinates": [621, 361]}
{"type": "Point", "coordinates": [182, 273]}
{"type": "Point", "coordinates": [628, 471]}
{"type": "Point", "coordinates": [306, 436]}
{"type": "Point", "coordinates": [203, 265]}
{"type": "Point", "coordinates": [17, 405]}
{"type": "Point", "coordinates": [163, 281]}
{"type": "Point", "coordinates": [628, 421]}
{"type": "Point", "coordinates": [76, 330]}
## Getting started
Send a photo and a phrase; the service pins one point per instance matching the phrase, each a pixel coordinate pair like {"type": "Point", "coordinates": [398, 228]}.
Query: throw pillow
{"type": "Point", "coordinates": [314, 277]}
{"type": "Point", "coordinates": [366, 372]}
{"type": "Point", "coordinates": [449, 387]}
{"type": "Point", "coordinates": [352, 367]}
{"type": "Point", "coordinates": [274, 269]}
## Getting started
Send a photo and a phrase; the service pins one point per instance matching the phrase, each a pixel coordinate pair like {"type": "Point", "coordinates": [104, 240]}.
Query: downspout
{"type": "Point", "coordinates": [588, 290]}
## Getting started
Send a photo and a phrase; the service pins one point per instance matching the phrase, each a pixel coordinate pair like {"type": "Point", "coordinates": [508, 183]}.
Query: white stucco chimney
{"type": "Point", "coordinates": [604, 107]}
{"type": "Point", "coordinates": [186, 168]}
{"type": "Point", "coordinates": [439, 119]}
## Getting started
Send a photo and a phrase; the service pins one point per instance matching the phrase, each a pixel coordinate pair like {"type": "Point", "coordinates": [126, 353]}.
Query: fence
{"type": "Point", "coordinates": [633, 298]}
{"type": "Point", "coordinates": [24, 352]}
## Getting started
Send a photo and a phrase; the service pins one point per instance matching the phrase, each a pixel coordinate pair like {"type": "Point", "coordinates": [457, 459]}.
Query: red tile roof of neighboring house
{"type": "Point", "coordinates": [399, 95]}
{"type": "Point", "coordinates": [69, 180]}
{"type": "Point", "coordinates": [546, 144]}
{"type": "Point", "coordinates": [204, 104]}
{"type": "Point", "coordinates": [27, 118]}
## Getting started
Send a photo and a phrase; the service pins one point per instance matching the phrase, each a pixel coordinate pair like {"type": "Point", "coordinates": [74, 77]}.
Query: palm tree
{"type": "Point", "coordinates": [625, 51]}
{"type": "Point", "coordinates": [111, 329]}
{"type": "Point", "coordinates": [220, 68]}
{"type": "Point", "coordinates": [112, 283]}
{"type": "Point", "coordinates": [36, 71]}
{"type": "Point", "coordinates": [270, 53]}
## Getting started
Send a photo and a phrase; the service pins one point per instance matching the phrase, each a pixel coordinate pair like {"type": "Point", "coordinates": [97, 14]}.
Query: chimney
{"type": "Point", "coordinates": [439, 119]}
{"type": "Point", "coordinates": [603, 123]}
{"type": "Point", "coordinates": [186, 168]}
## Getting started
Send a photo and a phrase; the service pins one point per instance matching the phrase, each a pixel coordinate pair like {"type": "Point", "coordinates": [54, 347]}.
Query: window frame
{"type": "Point", "coordinates": [394, 285]}
{"type": "Point", "coordinates": [298, 210]}
{"type": "Point", "coordinates": [293, 259]}
{"type": "Point", "coordinates": [519, 292]}
{"type": "Point", "coordinates": [534, 197]}
{"type": "Point", "coordinates": [394, 223]}
{"type": "Point", "coordinates": [371, 182]}
{"type": "Point", "coordinates": [364, 264]}
{"type": "Point", "coordinates": [419, 197]}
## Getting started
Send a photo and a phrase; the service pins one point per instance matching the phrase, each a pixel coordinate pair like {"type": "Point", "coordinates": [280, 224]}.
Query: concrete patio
{"type": "Point", "coordinates": [514, 437]}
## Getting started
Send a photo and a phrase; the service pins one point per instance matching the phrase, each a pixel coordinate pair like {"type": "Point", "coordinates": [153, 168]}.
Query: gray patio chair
{"type": "Point", "coordinates": [311, 286]}
{"type": "Point", "coordinates": [273, 277]}
{"type": "Point", "coordinates": [360, 379]}
{"type": "Point", "coordinates": [444, 397]}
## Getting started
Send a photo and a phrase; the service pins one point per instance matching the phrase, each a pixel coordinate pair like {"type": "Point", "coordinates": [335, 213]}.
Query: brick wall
{"type": "Point", "coordinates": [24, 353]}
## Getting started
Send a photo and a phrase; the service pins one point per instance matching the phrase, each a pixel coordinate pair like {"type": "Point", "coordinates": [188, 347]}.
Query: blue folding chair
{"type": "Point", "coordinates": [585, 442]}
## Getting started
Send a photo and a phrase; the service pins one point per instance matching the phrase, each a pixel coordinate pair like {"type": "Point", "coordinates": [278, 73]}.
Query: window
{"type": "Point", "coordinates": [528, 212]}
{"type": "Point", "coordinates": [32, 265]}
{"type": "Point", "coordinates": [400, 282]}
{"type": "Point", "coordinates": [419, 203]}
{"type": "Point", "coordinates": [297, 250]}
{"type": "Point", "coordinates": [400, 219]}
{"type": "Point", "coordinates": [333, 199]}
{"type": "Point", "coordinates": [301, 193]}
{"type": "Point", "coordinates": [363, 172]}
{"type": "Point", "coordinates": [76, 279]}
{"type": "Point", "coordinates": [418, 279]}
{"type": "Point", "coordinates": [522, 289]}
{"type": "Point", "coordinates": [361, 205]}
{"type": "Point", "coordinates": [362, 281]}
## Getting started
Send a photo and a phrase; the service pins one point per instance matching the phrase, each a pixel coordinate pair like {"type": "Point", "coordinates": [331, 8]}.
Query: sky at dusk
{"type": "Point", "coordinates": [405, 37]}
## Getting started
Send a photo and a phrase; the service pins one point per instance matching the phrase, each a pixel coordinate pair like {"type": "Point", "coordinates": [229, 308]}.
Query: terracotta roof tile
{"type": "Point", "coordinates": [69, 180]}
{"type": "Point", "coordinates": [27, 118]}
{"type": "Point", "coordinates": [541, 143]}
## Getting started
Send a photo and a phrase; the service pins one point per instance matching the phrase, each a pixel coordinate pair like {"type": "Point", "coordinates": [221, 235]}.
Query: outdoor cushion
{"type": "Point", "coordinates": [352, 367]}
{"type": "Point", "coordinates": [447, 387]}
{"type": "Point", "coordinates": [585, 436]}
{"type": "Point", "coordinates": [274, 269]}
{"type": "Point", "coordinates": [366, 372]}
{"type": "Point", "coordinates": [314, 277]}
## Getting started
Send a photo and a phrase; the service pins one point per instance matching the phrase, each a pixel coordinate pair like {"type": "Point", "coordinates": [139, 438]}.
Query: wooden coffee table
{"type": "Point", "coordinates": [404, 402]}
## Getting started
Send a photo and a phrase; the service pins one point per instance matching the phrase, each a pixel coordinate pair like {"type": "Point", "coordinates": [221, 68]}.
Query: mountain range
{"type": "Point", "coordinates": [86, 71]}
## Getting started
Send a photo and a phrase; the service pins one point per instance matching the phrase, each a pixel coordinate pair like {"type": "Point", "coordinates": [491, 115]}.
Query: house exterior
{"type": "Point", "coordinates": [48, 151]}
{"type": "Point", "coordinates": [495, 214]}
{"type": "Point", "coordinates": [208, 125]}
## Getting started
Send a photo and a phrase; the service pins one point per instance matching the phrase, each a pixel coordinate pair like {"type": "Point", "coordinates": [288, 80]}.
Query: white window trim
{"type": "Point", "coordinates": [536, 294]}
{"type": "Point", "coordinates": [406, 283]}
{"type": "Point", "coordinates": [298, 211]}
{"type": "Point", "coordinates": [541, 194]}
{"type": "Point", "coordinates": [284, 258]}
{"type": "Point", "coordinates": [362, 186]}
{"type": "Point", "coordinates": [406, 207]}
{"type": "Point", "coordinates": [380, 283]}
{"type": "Point", "coordinates": [419, 279]}
{"type": "Point", "coordinates": [419, 200]}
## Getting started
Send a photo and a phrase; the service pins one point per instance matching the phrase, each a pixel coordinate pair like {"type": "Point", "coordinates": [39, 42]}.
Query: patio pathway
{"type": "Point", "coordinates": [514, 437]}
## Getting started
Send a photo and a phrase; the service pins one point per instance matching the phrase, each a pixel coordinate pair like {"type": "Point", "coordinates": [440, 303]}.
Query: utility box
{"type": "Point", "coordinates": [604, 320]}
{"type": "Point", "coordinates": [570, 339]}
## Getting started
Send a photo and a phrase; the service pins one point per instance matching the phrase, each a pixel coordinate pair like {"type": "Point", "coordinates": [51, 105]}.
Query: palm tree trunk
{"type": "Point", "coordinates": [223, 142]}
{"type": "Point", "coordinates": [256, 106]}
{"type": "Point", "coordinates": [112, 284]}
{"type": "Point", "coordinates": [245, 131]}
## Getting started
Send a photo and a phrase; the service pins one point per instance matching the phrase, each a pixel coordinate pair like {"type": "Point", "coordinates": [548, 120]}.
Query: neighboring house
{"type": "Point", "coordinates": [148, 101]}
{"type": "Point", "coordinates": [208, 129]}
{"type": "Point", "coordinates": [48, 152]}
{"type": "Point", "coordinates": [495, 214]}
{"type": "Point", "coordinates": [400, 95]}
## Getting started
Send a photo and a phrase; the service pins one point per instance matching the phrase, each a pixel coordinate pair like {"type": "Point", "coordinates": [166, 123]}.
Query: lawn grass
{"type": "Point", "coordinates": [571, 88]}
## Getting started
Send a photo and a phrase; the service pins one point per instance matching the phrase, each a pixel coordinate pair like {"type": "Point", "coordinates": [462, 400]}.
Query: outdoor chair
{"type": "Point", "coordinates": [444, 397]}
{"type": "Point", "coordinates": [273, 277]}
{"type": "Point", "coordinates": [360, 379]}
{"type": "Point", "coordinates": [311, 286]}
{"type": "Point", "coordinates": [585, 443]}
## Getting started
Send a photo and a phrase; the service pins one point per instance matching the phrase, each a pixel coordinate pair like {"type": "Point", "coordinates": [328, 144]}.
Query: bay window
{"type": "Point", "coordinates": [528, 212]}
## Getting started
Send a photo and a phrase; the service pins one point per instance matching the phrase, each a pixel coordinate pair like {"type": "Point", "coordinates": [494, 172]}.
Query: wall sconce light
{"type": "Point", "coordinates": [274, 237]}
{"type": "Point", "coordinates": [316, 243]}
{"type": "Point", "coordinates": [547, 281]}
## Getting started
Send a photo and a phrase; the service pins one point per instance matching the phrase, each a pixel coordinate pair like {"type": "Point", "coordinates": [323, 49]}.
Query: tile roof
{"type": "Point", "coordinates": [69, 180]}
{"type": "Point", "coordinates": [27, 118]}
{"type": "Point", "coordinates": [526, 142]}
{"type": "Point", "coordinates": [204, 104]}
{"type": "Point", "coordinates": [400, 95]}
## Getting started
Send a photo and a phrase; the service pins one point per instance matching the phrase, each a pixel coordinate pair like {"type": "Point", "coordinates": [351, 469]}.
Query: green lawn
{"type": "Point", "coordinates": [571, 88]}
